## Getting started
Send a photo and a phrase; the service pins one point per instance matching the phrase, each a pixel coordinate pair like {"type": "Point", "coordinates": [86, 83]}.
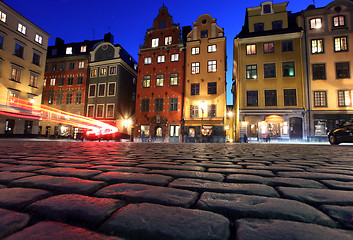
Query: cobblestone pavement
{"type": "Point", "coordinates": [108, 190]}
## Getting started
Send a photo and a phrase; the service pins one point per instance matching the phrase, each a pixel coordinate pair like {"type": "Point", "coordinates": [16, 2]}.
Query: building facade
{"type": "Point", "coordinates": [328, 39]}
{"type": "Point", "coordinates": [205, 82]}
{"type": "Point", "coordinates": [23, 49]}
{"type": "Point", "coordinates": [112, 86]}
{"type": "Point", "coordinates": [268, 70]}
{"type": "Point", "coordinates": [160, 82]}
{"type": "Point", "coordinates": [65, 84]}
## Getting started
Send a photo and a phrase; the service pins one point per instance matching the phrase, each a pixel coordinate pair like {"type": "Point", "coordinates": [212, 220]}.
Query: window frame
{"type": "Point", "coordinates": [70, 81]}
{"type": "Point", "coordinates": [285, 45]}
{"type": "Point", "coordinates": [94, 72]}
{"type": "Point", "coordinates": [67, 102]}
{"type": "Point", "coordinates": [99, 88]}
{"type": "Point", "coordinates": [344, 95]}
{"type": "Point", "coordinates": [314, 70]}
{"type": "Point", "coordinates": [250, 76]}
{"type": "Point", "coordinates": [348, 70]}
{"type": "Point", "coordinates": [340, 44]}
{"type": "Point", "coordinates": [252, 97]}
{"type": "Point", "coordinates": [22, 28]}
{"type": "Point", "coordinates": [106, 111]}
{"type": "Point", "coordinates": [172, 81]}
{"type": "Point", "coordinates": [195, 68]}
{"type": "Point", "coordinates": [268, 52]}
{"type": "Point", "coordinates": [275, 71]}
{"type": "Point", "coordinates": [78, 95]}
{"type": "Point", "coordinates": [212, 48]}
{"type": "Point", "coordinates": [146, 81]}
{"type": "Point", "coordinates": [283, 69]}
{"type": "Point", "coordinates": [108, 91]}
{"type": "Point", "coordinates": [271, 100]}
{"type": "Point", "coordinates": [286, 100]}
{"type": "Point", "coordinates": [97, 108]}
{"type": "Point", "coordinates": [318, 98]}
{"type": "Point", "coordinates": [147, 60]}
{"type": "Point", "coordinates": [159, 80]}
{"type": "Point", "coordinates": [33, 80]}
{"type": "Point", "coordinates": [158, 104]}
{"type": "Point", "coordinates": [212, 88]}
{"type": "Point", "coordinates": [173, 104]}
{"type": "Point", "coordinates": [194, 89]}
{"type": "Point", "coordinates": [168, 40]}
{"type": "Point", "coordinates": [195, 50]}
{"type": "Point", "coordinates": [251, 49]}
{"type": "Point", "coordinates": [145, 105]}
{"type": "Point", "coordinates": [161, 59]}
{"type": "Point", "coordinates": [174, 57]}
{"type": "Point", "coordinates": [38, 38]}
{"type": "Point", "coordinates": [317, 40]}
{"type": "Point", "coordinates": [315, 23]}
{"type": "Point", "coordinates": [103, 71]}
{"type": "Point", "coordinates": [93, 110]}
{"type": "Point", "coordinates": [339, 21]}
{"type": "Point", "coordinates": [16, 77]}
{"type": "Point", "coordinates": [20, 50]}
{"type": "Point", "coordinates": [155, 42]}
{"type": "Point", "coordinates": [89, 90]}
{"type": "Point", "coordinates": [211, 110]}
{"type": "Point", "coordinates": [212, 66]}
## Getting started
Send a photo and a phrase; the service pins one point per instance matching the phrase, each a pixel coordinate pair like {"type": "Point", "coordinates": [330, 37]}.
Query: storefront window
{"type": "Point", "coordinates": [285, 128]}
{"type": "Point", "coordinates": [320, 128]}
{"type": "Point", "coordinates": [274, 129]}
{"type": "Point", "coordinates": [253, 130]}
{"type": "Point", "coordinates": [206, 130]}
{"type": "Point", "coordinates": [191, 132]}
{"type": "Point", "coordinates": [145, 130]}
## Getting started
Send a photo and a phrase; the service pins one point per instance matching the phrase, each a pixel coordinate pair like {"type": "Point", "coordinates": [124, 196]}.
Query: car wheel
{"type": "Point", "coordinates": [332, 139]}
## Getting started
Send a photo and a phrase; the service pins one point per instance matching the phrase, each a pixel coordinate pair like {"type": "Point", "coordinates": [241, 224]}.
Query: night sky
{"type": "Point", "coordinates": [79, 20]}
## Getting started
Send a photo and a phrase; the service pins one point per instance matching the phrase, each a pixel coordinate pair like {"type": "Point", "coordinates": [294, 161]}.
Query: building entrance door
{"type": "Point", "coordinates": [28, 127]}
{"type": "Point", "coordinates": [295, 128]}
{"type": "Point", "coordinates": [9, 126]}
{"type": "Point", "coordinates": [159, 134]}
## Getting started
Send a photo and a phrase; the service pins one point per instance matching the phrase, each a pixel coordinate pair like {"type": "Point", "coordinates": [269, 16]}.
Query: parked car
{"type": "Point", "coordinates": [342, 134]}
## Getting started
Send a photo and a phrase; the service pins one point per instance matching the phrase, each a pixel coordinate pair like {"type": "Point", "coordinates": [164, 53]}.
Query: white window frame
{"type": "Point", "coordinates": [81, 65]}
{"type": "Point", "coordinates": [168, 40]}
{"type": "Point", "coordinates": [161, 59]}
{"type": "Point", "coordinates": [212, 48]}
{"type": "Point", "coordinates": [94, 110]}
{"type": "Point", "coordinates": [3, 17]}
{"type": "Point", "coordinates": [99, 88]}
{"type": "Point", "coordinates": [106, 112]}
{"type": "Point", "coordinates": [52, 82]}
{"type": "Point", "coordinates": [89, 90]}
{"type": "Point", "coordinates": [110, 83]}
{"type": "Point", "coordinates": [195, 50]}
{"type": "Point", "coordinates": [97, 111]}
{"type": "Point", "coordinates": [212, 66]}
{"type": "Point", "coordinates": [147, 60]}
{"type": "Point", "coordinates": [251, 49]}
{"type": "Point", "coordinates": [38, 38]}
{"type": "Point", "coordinates": [68, 51]}
{"type": "Point", "coordinates": [174, 57]}
{"type": "Point", "coordinates": [195, 68]}
{"type": "Point", "coordinates": [22, 28]}
{"type": "Point", "coordinates": [103, 71]}
{"type": "Point", "coordinates": [155, 42]}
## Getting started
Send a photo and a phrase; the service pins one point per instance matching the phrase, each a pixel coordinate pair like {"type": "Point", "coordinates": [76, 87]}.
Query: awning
{"type": "Point", "coordinates": [274, 119]}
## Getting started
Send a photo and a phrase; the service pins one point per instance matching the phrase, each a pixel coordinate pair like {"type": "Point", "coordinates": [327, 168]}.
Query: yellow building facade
{"type": "Point", "coordinates": [269, 94]}
{"type": "Point", "coordinates": [205, 82]}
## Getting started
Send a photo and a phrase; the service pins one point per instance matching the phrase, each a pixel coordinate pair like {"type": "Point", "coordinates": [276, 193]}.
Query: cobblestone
{"type": "Point", "coordinates": [92, 190]}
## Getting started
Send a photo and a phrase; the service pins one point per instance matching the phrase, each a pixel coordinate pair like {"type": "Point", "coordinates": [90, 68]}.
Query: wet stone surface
{"type": "Point", "coordinates": [111, 190]}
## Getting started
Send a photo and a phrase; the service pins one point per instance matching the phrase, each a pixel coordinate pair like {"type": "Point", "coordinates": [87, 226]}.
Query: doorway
{"type": "Point", "coordinates": [295, 128]}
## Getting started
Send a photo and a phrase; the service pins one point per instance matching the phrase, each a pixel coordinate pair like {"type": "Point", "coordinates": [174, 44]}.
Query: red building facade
{"type": "Point", "coordinates": [160, 82]}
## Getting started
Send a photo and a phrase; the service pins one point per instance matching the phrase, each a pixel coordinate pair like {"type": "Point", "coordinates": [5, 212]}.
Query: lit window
{"type": "Point", "coordinates": [69, 50]}
{"type": "Point", "coordinates": [21, 28]}
{"type": "Point", "coordinates": [155, 42]}
{"type": "Point", "coordinates": [2, 16]}
{"type": "Point", "coordinates": [101, 90]}
{"type": "Point", "coordinates": [147, 60]}
{"type": "Point", "coordinates": [160, 80]}
{"type": "Point", "coordinates": [344, 98]}
{"type": "Point", "coordinates": [174, 57]}
{"type": "Point", "coordinates": [251, 71]}
{"type": "Point", "coordinates": [81, 65]}
{"type": "Point", "coordinates": [320, 99]}
{"type": "Point", "coordinates": [146, 82]}
{"type": "Point", "coordinates": [212, 66]}
{"type": "Point", "coordinates": [168, 40]}
{"type": "Point", "coordinates": [94, 72]}
{"type": "Point", "coordinates": [45, 83]}
{"type": "Point", "coordinates": [195, 68]}
{"type": "Point", "coordinates": [269, 47]}
{"type": "Point", "coordinates": [317, 46]}
{"type": "Point", "coordinates": [315, 23]}
{"type": "Point", "coordinates": [195, 50]}
{"type": "Point", "coordinates": [339, 21]}
{"type": "Point", "coordinates": [212, 48]}
{"type": "Point", "coordinates": [16, 74]}
{"type": "Point", "coordinates": [288, 69]}
{"type": "Point", "coordinates": [103, 71]}
{"type": "Point", "coordinates": [33, 80]}
{"type": "Point", "coordinates": [161, 59]}
{"type": "Point", "coordinates": [341, 44]}
{"type": "Point", "coordinates": [52, 82]}
{"type": "Point", "coordinates": [174, 79]}
{"type": "Point", "coordinates": [38, 39]}
{"type": "Point", "coordinates": [251, 49]}
{"type": "Point", "coordinates": [83, 48]}
{"type": "Point", "coordinates": [112, 70]}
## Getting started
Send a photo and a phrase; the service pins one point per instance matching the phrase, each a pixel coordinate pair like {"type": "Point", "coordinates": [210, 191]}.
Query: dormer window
{"type": "Point", "coordinates": [315, 23]}
{"type": "Point", "coordinates": [339, 21]}
{"type": "Point", "coordinates": [155, 42]}
{"type": "Point", "coordinates": [69, 50]}
{"type": "Point", "coordinates": [83, 48]}
{"type": "Point", "coordinates": [266, 8]}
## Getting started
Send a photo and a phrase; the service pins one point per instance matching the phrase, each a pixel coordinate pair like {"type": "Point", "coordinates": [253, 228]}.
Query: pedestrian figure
{"type": "Point", "coordinates": [245, 138]}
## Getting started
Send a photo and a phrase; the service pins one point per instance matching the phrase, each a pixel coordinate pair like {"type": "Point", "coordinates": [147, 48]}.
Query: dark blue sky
{"type": "Point", "coordinates": [79, 20]}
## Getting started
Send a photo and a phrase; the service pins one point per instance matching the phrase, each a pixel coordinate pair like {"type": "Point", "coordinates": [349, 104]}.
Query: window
{"type": "Point", "coordinates": [68, 99]}
{"type": "Point", "coordinates": [79, 80]}
{"type": "Point", "coordinates": [100, 110]}
{"type": "Point", "coordinates": [70, 81]}
{"type": "Point", "coordinates": [50, 98]}
{"type": "Point", "coordinates": [103, 71]}
{"type": "Point", "coordinates": [204, 33]}
{"type": "Point", "coordinates": [21, 28]}
{"type": "Point", "coordinates": [270, 98]}
{"type": "Point", "coordinates": [342, 70]}
{"type": "Point", "coordinates": [162, 24]}
{"type": "Point", "coordinates": [94, 72]}
{"type": "Point", "coordinates": [212, 88]}
{"type": "Point", "coordinates": [53, 67]}
{"type": "Point", "coordinates": [251, 49]}
{"type": "Point", "coordinates": [92, 90]}
{"type": "Point", "coordinates": [195, 68]}
{"type": "Point", "coordinates": [195, 50]}
{"type": "Point", "coordinates": [290, 97]}
{"type": "Point", "coordinates": [81, 65]}
{"type": "Point", "coordinates": [147, 60]}
{"type": "Point", "coordinates": [212, 48]}
{"type": "Point", "coordinates": [339, 21]}
{"type": "Point", "coordinates": [211, 110]}
{"type": "Point", "coordinates": [319, 71]}
{"type": "Point", "coordinates": [174, 57]}
{"type": "Point", "coordinates": [16, 74]}
{"type": "Point", "coordinates": [78, 98]}
{"type": "Point", "coordinates": [266, 8]}
{"type": "Point", "coordinates": [317, 46]}
{"type": "Point", "coordinates": [161, 59]}
{"type": "Point", "coordinates": [101, 90]}
{"type": "Point", "coordinates": [19, 50]}
{"type": "Point", "coordinates": [168, 40]}
{"type": "Point", "coordinates": [38, 39]}
{"type": "Point", "coordinates": [62, 67]}
{"type": "Point", "coordinates": [1, 42]}
{"type": "Point", "coordinates": [145, 131]}
{"type": "Point", "coordinates": [112, 70]}
{"type": "Point", "coordinates": [110, 110]}
{"type": "Point", "coordinates": [269, 70]}
{"type": "Point", "coordinates": [251, 98]}
{"type": "Point", "coordinates": [83, 48]}
{"type": "Point", "coordinates": [276, 25]}
{"type": "Point", "coordinates": [158, 105]}
{"type": "Point", "coordinates": [54, 51]}
{"type": "Point", "coordinates": [251, 71]}
{"type": "Point", "coordinates": [33, 80]}
{"type": "Point", "coordinates": [155, 42]}
{"type": "Point", "coordinates": [195, 89]}
{"type": "Point", "coordinates": [288, 69]}
{"type": "Point", "coordinates": [174, 77]}
{"type": "Point", "coordinates": [269, 47]}
{"type": "Point", "coordinates": [61, 82]}
{"type": "Point", "coordinates": [52, 82]}
{"type": "Point", "coordinates": [258, 27]}
{"type": "Point", "coordinates": [315, 23]}
{"type": "Point", "coordinates": [160, 80]}
{"type": "Point", "coordinates": [344, 98]}
{"type": "Point", "coordinates": [72, 66]}
{"type": "Point", "coordinates": [173, 104]}
{"type": "Point", "coordinates": [145, 105]}
{"type": "Point", "coordinates": [194, 111]}
{"type": "Point", "coordinates": [111, 89]}
{"type": "Point", "coordinates": [287, 46]}
{"type": "Point", "coordinates": [69, 50]}
{"type": "Point", "coordinates": [59, 98]}
{"type": "Point", "coordinates": [2, 16]}
{"type": "Point", "coordinates": [146, 81]}
{"type": "Point", "coordinates": [212, 66]}
{"type": "Point", "coordinates": [320, 99]}
{"type": "Point", "coordinates": [45, 83]}
{"type": "Point", "coordinates": [341, 44]}
{"type": "Point", "coordinates": [174, 130]}
{"type": "Point", "coordinates": [90, 110]}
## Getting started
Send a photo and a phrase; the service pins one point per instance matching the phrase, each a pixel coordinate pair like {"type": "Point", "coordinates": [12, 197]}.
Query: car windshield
{"type": "Point", "coordinates": [347, 122]}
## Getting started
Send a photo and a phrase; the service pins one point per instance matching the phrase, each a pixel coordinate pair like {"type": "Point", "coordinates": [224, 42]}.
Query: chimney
{"type": "Point", "coordinates": [108, 37]}
{"type": "Point", "coordinates": [59, 41]}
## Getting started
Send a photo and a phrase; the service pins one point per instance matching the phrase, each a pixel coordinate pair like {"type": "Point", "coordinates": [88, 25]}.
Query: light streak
{"type": "Point", "coordinates": [43, 112]}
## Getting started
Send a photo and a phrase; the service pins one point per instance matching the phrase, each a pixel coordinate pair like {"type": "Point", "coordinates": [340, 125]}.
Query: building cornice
{"type": "Point", "coordinates": [276, 37]}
